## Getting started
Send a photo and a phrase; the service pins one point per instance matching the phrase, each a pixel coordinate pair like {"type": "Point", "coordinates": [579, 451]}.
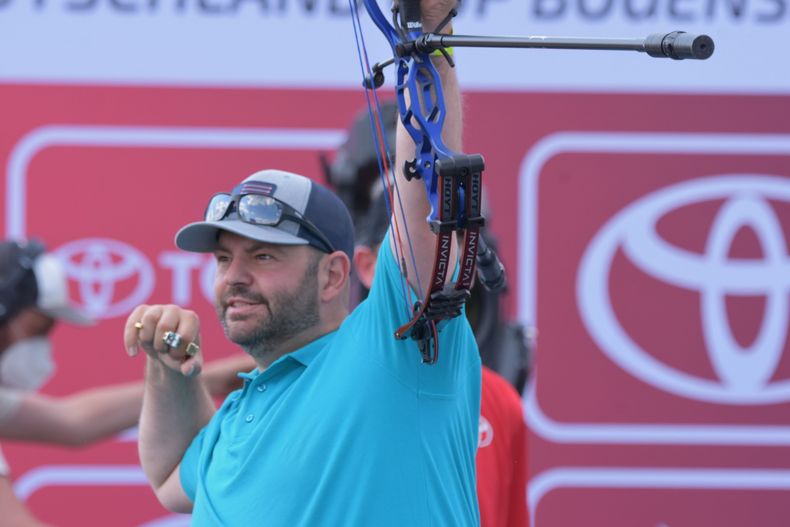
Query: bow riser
{"type": "Point", "coordinates": [423, 118]}
{"type": "Point", "coordinates": [452, 180]}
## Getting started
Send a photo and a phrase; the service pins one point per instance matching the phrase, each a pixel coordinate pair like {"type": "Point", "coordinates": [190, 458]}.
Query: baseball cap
{"type": "Point", "coordinates": [17, 282]}
{"type": "Point", "coordinates": [312, 202]}
{"type": "Point", "coordinates": [32, 278]}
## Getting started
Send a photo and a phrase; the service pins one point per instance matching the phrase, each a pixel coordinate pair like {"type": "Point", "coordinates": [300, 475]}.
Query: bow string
{"type": "Point", "coordinates": [452, 180]}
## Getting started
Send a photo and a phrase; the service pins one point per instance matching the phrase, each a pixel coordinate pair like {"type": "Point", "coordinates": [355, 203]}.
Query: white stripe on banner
{"type": "Point", "coordinates": [77, 475]}
{"type": "Point", "coordinates": [310, 43]}
{"type": "Point", "coordinates": [144, 136]}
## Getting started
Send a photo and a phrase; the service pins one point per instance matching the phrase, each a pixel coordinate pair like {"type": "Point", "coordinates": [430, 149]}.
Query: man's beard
{"type": "Point", "coordinates": [290, 313]}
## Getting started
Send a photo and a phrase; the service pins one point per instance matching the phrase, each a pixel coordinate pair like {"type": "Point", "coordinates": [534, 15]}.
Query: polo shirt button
{"type": "Point", "coordinates": [249, 418]}
{"type": "Point", "coordinates": [261, 388]}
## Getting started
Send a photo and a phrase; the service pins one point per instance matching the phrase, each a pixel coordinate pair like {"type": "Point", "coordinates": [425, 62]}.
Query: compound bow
{"type": "Point", "coordinates": [452, 180]}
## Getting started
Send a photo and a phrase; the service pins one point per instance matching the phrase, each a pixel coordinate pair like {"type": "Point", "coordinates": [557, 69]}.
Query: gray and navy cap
{"type": "Point", "coordinates": [314, 202]}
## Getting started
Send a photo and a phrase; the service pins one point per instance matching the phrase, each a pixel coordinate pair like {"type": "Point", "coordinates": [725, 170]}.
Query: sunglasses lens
{"type": "Point", "coordinates": [217, 207]}
{"type": "Point", "coordinates": [262, 210]}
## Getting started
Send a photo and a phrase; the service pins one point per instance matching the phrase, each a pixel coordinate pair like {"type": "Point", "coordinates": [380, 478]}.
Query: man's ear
{"type": "Point", "coordinates": [335, 270]}
{"type": "Point", "coordinates": [365, 264]}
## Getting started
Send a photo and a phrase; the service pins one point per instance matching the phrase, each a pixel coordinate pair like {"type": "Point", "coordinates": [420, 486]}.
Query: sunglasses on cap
{"type": "Point", "coordinates": [259, 209]}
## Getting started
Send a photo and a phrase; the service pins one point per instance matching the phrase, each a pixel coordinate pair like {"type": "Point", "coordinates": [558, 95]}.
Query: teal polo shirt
{"type": "Point", "coordinates": [350, 430]}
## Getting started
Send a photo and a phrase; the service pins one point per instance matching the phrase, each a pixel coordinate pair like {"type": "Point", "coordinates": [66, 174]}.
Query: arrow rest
{"type": "Point", "coordinates": [410, 170]}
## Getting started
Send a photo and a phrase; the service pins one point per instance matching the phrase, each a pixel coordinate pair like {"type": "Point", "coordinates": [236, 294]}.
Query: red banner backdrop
{"type": "Point", "coordinates": [106, 175]}
{"type": "Point", "coordinates": [654, 266]}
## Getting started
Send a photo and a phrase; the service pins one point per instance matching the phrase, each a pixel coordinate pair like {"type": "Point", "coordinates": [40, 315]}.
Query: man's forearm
{"type": "Point", "coordinates": [100, 412]}
{"type": "Point", "coordinates": [175, 408]}
{"type": "Point", "coordinates": [413, 195]}
{"type": "Point", "coordinates": [78, 419]}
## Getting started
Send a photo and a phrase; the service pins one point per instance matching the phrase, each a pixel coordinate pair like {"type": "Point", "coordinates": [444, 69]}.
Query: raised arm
{"type": "Point", "coordinates": [176, 405]}
{"type": "Point", "coordinates": [413, 194]}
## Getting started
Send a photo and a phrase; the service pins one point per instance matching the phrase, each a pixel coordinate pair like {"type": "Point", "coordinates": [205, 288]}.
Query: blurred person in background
{"type": "Point", "coordinates": [502, 449]}
{"type": "Point", "coordinates": [33, 299]}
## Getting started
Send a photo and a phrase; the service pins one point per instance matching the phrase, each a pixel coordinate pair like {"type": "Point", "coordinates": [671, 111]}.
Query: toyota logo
{"type": "Point", "coordinates": [745, 374]}
{"type": "Point", "coordinates": [113, 277]}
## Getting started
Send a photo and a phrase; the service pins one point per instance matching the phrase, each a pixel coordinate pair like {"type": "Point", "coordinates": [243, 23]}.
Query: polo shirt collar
{"type": "Point", "coordinates": [303, 356]}
{"type": "Point", "coordinates": [306, 354]}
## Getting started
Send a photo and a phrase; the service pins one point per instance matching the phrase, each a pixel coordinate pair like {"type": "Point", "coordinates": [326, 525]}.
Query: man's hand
{"type": "Point", "coordinates": [147, 327]}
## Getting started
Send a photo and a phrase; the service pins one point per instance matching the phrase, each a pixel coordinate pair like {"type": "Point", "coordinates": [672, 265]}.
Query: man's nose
{"type": "Point", "coordinates": [237, 272]}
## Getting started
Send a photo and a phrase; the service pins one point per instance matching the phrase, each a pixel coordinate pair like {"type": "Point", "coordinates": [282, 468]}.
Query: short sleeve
{"type": "Point", "coordinates": [387, 308]}
{"type": "Point", "coordinates": [391, 292]}
{"type": "Point", "coordinates": [188, 471]}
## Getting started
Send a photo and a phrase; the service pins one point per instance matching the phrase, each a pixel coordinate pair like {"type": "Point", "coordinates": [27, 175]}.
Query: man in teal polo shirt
{"type": "Point", "coordinates": [340, 423]}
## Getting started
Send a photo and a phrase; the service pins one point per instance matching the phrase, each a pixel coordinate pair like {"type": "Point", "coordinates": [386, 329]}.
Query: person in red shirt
{"type": "Point", "coordinates": [501, 455]}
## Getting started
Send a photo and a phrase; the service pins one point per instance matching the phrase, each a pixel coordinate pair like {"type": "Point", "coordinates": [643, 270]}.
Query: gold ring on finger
{"type": "Point", "coordinates": [192, 349]}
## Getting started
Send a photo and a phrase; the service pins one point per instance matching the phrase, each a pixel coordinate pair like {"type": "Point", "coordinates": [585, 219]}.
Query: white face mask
{"type": "Point", "coordinates": [27, 364]}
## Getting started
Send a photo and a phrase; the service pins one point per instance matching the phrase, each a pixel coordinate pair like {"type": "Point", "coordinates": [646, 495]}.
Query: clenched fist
{"type": "Point", "coordinates": [168, 334]}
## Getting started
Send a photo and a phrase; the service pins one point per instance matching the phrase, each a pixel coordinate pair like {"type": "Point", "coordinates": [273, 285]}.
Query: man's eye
{"type": "Point", "coordinates": [263, 256]}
